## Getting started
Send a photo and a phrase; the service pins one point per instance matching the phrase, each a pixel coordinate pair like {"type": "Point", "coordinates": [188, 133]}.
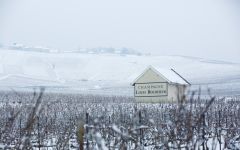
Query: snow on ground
{"type": "Point", "coordinates": [107, 73]}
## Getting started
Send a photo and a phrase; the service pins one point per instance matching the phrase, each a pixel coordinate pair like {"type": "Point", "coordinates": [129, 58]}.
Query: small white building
{"type": "Point", "coordinates": [158, 85]}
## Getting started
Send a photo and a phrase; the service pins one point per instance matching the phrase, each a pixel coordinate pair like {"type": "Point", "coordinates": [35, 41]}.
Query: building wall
{"type": "Point", "coordinates": [150, 76]}
{"type": "Point", "coordinates": [176, 92]}
{"type": "Point", "coordinates": [151, 99]}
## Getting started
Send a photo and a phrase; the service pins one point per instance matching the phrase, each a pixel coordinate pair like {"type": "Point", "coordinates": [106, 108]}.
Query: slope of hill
{"type": "Point", "coordinates": [107, 73]}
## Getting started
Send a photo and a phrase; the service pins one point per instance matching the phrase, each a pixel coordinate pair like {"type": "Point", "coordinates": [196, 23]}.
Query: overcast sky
{"type": "Point", "coordinates": [203, 28]}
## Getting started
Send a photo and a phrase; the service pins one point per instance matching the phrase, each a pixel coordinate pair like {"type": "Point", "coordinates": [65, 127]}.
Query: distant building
{"type": "Point", "coordinates": [157, 85]}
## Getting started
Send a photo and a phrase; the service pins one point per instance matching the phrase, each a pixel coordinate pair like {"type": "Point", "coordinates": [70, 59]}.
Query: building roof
{"type": "Point", "coordinates": [170, 75]}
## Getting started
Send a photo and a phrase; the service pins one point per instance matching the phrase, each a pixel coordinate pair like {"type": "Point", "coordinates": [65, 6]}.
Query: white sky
{"type": "Point", "coordinates": [203, 28]}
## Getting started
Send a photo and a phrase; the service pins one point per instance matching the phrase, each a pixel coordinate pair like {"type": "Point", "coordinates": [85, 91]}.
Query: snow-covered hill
{"type": "Point", "coordinates": [107, 73]}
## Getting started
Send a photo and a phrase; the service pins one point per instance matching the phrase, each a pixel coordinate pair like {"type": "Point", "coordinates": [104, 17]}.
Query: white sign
{"type": "Point", "coordinates": [151, 89]}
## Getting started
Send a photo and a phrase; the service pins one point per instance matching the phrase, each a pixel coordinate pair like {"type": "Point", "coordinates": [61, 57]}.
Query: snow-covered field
{"type": "Point", "coordinates": [109, 74]}
{"type": "Point", "coordinates": [66, 121]}
{"type": "Point", "coordinates": [69, 120]}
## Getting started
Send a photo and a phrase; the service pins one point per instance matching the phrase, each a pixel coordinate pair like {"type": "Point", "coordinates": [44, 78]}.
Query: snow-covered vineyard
{"type": "Point", "coordinates": [55, 121]}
